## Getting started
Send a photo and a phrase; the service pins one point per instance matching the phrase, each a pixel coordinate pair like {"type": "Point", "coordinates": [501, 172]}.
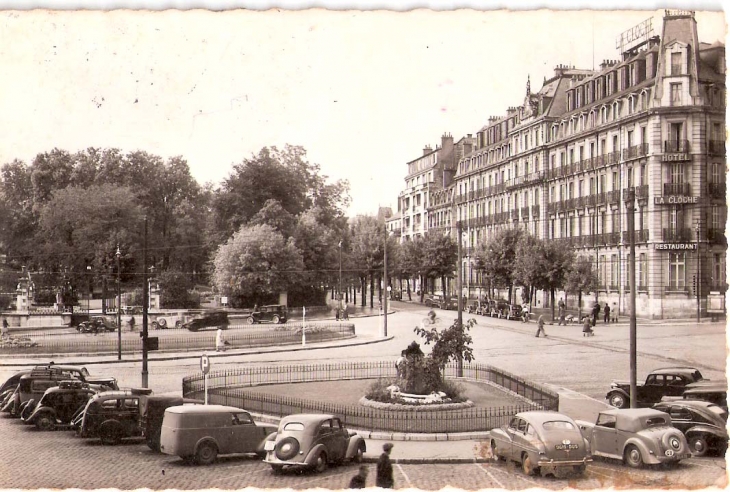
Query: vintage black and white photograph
{"type": "Point", "coordinates": [332, 249]}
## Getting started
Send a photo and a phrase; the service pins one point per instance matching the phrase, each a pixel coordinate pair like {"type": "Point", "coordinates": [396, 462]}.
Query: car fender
{"type": "Point", "coordinates": [353, 444]}
{"type": "Point", "coordinates": [270, 437]}
{"type": "Point", "coordinates": [706, 429]}
{"type": "Point", "coordinates": [206, 440]}
{"type": "Point", "coordinates": [313, 453]}
{"type": "Point", "coordinates": [618, 390]}
{"type": "Point", "coordinates": [40, 411]}
{"type": "Point", "coordinates": [646, 456]}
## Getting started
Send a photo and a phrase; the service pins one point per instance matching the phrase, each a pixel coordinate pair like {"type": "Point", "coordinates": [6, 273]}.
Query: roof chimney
{"type": "Point", "coordinates": [427, 150]}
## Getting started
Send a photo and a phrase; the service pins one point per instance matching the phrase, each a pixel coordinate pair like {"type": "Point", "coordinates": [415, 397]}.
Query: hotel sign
{"type": "Point", "coordinates": [676, 200]}
{"type": "Point", "coordinates": [675, 157]}
{"type": "Point", "coordinates": [675, 246]}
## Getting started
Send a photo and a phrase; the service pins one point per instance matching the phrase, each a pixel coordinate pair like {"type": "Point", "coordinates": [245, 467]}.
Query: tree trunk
{"type": "Point", "coordinates": [381, 284]}
{"type": "Point", "coordinates": [372, 290]}
{"type": "Point", "coordinates": [580, 303]}
{"type": "Point", "coordinates": [552, 302]}
{"type": "Point", "coordinates": [363, 285]}
{"type": "Point", "coordinates": [509, 294]}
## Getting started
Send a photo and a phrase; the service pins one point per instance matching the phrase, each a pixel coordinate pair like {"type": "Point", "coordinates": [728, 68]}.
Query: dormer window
{"type": "Point", "coordinates": [676, 61]}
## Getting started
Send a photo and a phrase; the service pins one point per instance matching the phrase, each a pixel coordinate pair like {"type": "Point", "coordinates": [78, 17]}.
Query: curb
{"type": "Point", "coordinates": [189, 356]}
{"type": "Point", "coordinates": [400, 436]}
{"type": "Point", "coordinates": [429, 461]}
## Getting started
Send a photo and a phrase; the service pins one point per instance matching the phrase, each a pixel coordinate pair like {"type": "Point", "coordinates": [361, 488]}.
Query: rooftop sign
{"type": "Point", "coordinates": [638, 34]}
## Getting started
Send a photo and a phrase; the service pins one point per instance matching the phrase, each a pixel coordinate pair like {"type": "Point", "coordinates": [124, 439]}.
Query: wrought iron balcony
{"type": "Point", "coordinates": [601, 199]}
{"type": "Point", "coordinates": [717, 190]}
{"type": "Point", "coordinates": [614, 197]}
{"type": "Point", "coordinates": [716, 147]}
{"type": "Point", "coordinates": [525, 213]}
{"type": "Point", "coordinates": [613, 238]}
{"type": "Point", "coordinates": [552, 207]}
{"type": "Point", "coordinates": [677, 235]}
{"type": "Point", "coordinates": [678, 146]}
{"type": "Point", "coordinates": [613, 157]}
{"type": "Point", "coordinates": [535, 211]}
{"type": "Point", "coordinates": [716, 236]}
{"type": "Point", "coordinates": [642, 192]}
{"type": "Point", "coordinates": [636, 151]}
{"type": "Point", "coordinates": [682, 189]}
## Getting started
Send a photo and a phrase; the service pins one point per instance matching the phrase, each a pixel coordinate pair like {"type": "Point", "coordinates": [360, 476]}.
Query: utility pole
{"type": "Point", "coordinates": [630, 196]}
{"type": "Point", "coordinates": [119, 306]}
{"type": "Point", "coordinates": [459, 307]}
{"type": "Point", "coordinates": [145, 309]}
{"type": "Point", "coordinates": [698, 281]}
{"type": "Point", "coordinates": [339, 288]}
{"type": "Point", "coordinates": [385, 284]}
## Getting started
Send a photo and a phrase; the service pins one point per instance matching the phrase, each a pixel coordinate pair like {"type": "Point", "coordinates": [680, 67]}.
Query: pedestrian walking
{"type": "Point", "coordinates": [220, 341]}
{"type": "Point", "coordinates": [614, 310]}
{"type": "Point", "coordinates": [606, 313]}
{"type": "Point", "coordinates": [359, 480]}
{"type": "Point", "coordinates": [596, 310]}
{"type": "Point", "coordinates": [587, 330]}
{"type": "Point", "coordinates": [541, 326]}
{"type": "Point", "coordinates": [384, 477]}
{"type": "Point", "coordinates": [131, 323]}
{"type": "Point", "coordinates": [561, 313]}
{"type": "Point", "coordinates": [6, 328]}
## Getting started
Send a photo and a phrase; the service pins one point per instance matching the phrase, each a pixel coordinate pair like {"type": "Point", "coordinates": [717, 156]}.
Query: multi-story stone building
{"type": "Point", "coordinates": [561, 166]}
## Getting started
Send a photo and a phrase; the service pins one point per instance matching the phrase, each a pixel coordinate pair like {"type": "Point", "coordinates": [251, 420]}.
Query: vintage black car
{"type": "Point", "coordinates": [112, 415]}
{"type": "Point", "coordinates": [714, 393]}
{"type": "Point", "coordinates": [98, 324]}
{"type": "Point", "coordinates": [667, 381]}
{"type": "Point", "coordinates": [208, 319]}
{"type": "Point", "coordinates": [703, 424]}
{"type": "Point", "coordinates": [152, 411]}
{"type": "Point", "coordinates": [275, 313]}
{"type": "Point", "coordinates": [60, 404]}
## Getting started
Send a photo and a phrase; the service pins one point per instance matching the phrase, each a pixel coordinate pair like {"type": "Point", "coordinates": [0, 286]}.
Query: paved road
{"type": "Point", "coordinates": [31, 459]}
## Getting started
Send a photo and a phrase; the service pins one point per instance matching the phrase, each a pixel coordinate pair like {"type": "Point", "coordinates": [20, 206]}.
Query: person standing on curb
{"type": "Point", "coordinates": [384, 478]}
{"type": "Point", "coordinates": [541, 326]}
{"type": "Point", "coordinates": [359, 481]}
{"type": "Point", "coordinates": [5, 328]}
{"type": "Point", "coordinates": [220, 342]}
{"type": "Point", "coordinates": [595, 311]}
{"type": "Point", "coordinates": [561, 313]}
{"type": "Point", "coordinates": [606, 314]}
{"type": "Point", "coordinates": [131, 323]}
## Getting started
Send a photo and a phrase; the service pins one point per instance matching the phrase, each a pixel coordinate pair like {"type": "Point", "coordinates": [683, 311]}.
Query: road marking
{"type": "Point", "coordinates": [481, 467]}
{"type": "Point", "coordinates": [404, 474]}
{"type": "Point", "coordinates": [511, 473]}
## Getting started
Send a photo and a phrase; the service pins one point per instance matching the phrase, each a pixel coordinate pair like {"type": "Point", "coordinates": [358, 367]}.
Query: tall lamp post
{"type": "Point", "coordinates": [699, 270]}
{"type": "Point", "coordinates": [118, 255]}
{"type": "Point", "coordinates": [339, 288]}
{"type": "Point", "coordinates": [88, 299]}
{"type": "Point", "coordinates": [385, 281]}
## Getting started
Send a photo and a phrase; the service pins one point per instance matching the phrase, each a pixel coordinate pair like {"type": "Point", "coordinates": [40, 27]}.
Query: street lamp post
{"type": "Point", "coordinates": [88, 299]}
{"type": "Point", "coordinates": [118, 255]}
{"type": "Point", "coordinates": [385, 281]}
{"type": "Point", "coordinates": [339, 285]}
{"type": "Point", "coordinates": [698, 282]}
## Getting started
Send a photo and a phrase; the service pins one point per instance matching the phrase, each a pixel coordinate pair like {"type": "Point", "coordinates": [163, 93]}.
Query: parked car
{"type": "Point", "coordinates": [703, 424]}
{"type": "Point", "coordinates": [163, 322]}
{"type": "Point", "coordinates": [499, 308]}
{"type": "Point", "coordinates": [208, 319]}
{"type": "Point", "coordinates": [112, 415]}
{"type": "Point", "coordinates": [667, 381]}
{"type": "Point", "coordinates": [200, 433]}
{"type": "Point", "coordinates": [312, 441]}
{"type": "Point", "coordinates": [637, 436]}
{"type": "Point", "coordinates": [449, 303]}
{"type": "Point", "coordinates": [275, 313]}
{"type": "Point", "coordinates": [713, 393]}
{"type": "Point", "coordinates": [8, 387]}
{"type": "Point", "coordinates": [433, 300]}
{"type": "Point", "coordinates": [60, 404]}
{"type": "Point", "coordinates": [541, 441]}
{"type": "Point", "coordinates": [152, 411]}
{"type": "Point", "coordinates": [98, 324]}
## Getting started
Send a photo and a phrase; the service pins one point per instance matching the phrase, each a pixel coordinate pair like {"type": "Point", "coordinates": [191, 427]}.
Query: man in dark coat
{"type": "Point", "coordinates": [606, 314]}
{"type": "Point", "coordinates": [384, 478]}
{"type": "Point", "coordinates": [359, 480]}
{"type": "Point", "coordinates": [595, 312]}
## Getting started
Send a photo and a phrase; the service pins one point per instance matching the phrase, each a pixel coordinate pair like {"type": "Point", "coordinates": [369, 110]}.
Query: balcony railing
{"type": "Point", "coordinates": [676, 189]}
{"type": "Point", "coordinates": [601, 199]}
{"type": "Point", "coordinates": [716, 236]}
{"type": "Point", "coordinates": [613, 157]}
{"type": "Point", "coordinates": [614, 197]}
{"type": "Point", "coordinates": [678, 146]}
{"type": "Point", "coordinates": [717, 190]}
{"type": "Point", "coordinates": [613, 238]}
{"type": "Point", "coordinates": [640, 236]}
{"type": "Point", "coordinates": [677, 235]}
{"type": "Point", "coordinates": [525, 213]}
{"type": "Point", "coordinates": [636, 151]}
{"type": "Point", "coordinates": [515, 214]}
{"type": "Point", "coordinates": [642, 192]}
{"type": "Point", "coordinates": [716, 147]}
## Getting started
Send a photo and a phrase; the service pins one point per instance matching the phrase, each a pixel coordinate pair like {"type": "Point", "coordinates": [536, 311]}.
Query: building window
{"type": "Point", "coordinates": [614, 271]}
{"type": "Point", "coordinates": [602, 270]}
{"type": "Point", "coordinates": [716, 219]}
{"type": "Point", "coordinates": [675, 91]}
{"type": "Point", "coordinates": [643, 272]}
{"type": "Point", "coordinates": [676, 174]}
{"type": "Point", "coordinates": [676, 64]}
{"type": "Point", "coordinates": [717, 174]}
{"type": "Point", "coordinates": [718, 271]}
{"type": "Point", "coordinates": [676, 271]}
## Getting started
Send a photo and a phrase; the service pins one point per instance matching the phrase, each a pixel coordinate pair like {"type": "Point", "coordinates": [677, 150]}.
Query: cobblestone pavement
{"type": "Point", "coordinates": [31, 459]}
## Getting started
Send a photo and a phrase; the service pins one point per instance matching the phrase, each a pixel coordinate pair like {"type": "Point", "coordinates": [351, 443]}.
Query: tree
{"type": "Point", "coordinates": [256, 261]}
{"type": "Point", "coordinates": [273, 214]}
{"type": "Point", "coordinates": [556, 262]}
{"type": "Point", "coordinates": [582, 277]}
{"type": "Point", "coordinates": [527, 271]}
{"type": "Point", "coordinates": [368, 237]}
{"type": "Point", "coordinates": [18, 221]}
{"type": "Point", "coordinates": [450, 344]}
{"type": "Point", "coordinates": [440, 253]}
{"type": "Point", "coordinates": [495, 258]}
{"type": "Point", "coordinates": [318, 245]}
{"type": "Point", "coordinates": [411, 261]}
{"type": "Point", "coordinates": [175, 288]}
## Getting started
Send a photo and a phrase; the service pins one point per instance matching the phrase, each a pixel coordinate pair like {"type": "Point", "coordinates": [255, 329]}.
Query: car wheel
{"type": "Point", "coordinates": [178, 324]}
{"type": "Point", "coordinates": [495, 454]}
{"type": "Point", "coordinates": [527, 467]}
{"type": "Point", "coordinates": [154, 446]}
{"type": "Point", "coordinates": [359, 454]}
{"type": "Point", "coordinates": [206, 454]}
{"type": "Point", "coordinates": [110, 434]}
{"type": "Point", "coordinates": [250, 320]}
{"type": "Point", "coordinates": [617, 400]}
{"type": "Point", "coordinates": [45, 423]}
{"type": "Point", "coordinates": [155, 325]}
{"type": "Point", "coordinates": [162, 322]}
{"type": "Point", "coordinates": [275, 319]}
{"type": "Point", "coordinates": [320, 464]}
{"type": "Point", "coordinates": [698, 445]}
{"type": "Point", "coordinates": [632, 457]}
{"type": "Point", "coordinates": [277, 469]}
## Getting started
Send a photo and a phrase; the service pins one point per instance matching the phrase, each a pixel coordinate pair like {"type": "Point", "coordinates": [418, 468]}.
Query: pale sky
{"type": "Point", "coordinates": [363, 92]}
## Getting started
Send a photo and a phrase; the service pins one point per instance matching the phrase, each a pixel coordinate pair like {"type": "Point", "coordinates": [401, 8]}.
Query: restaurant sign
{"type": "Point", "coordinates": [676, 246]}
{"type": "Point", "coordinates": [676, 200]}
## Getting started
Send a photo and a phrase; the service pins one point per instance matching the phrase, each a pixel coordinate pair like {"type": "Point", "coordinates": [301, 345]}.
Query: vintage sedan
{"type": "Point", "coordinates": [541, 441]}
{"type": "Point", "coordinates": [702, 422]}
{"type": "Point", "coordinates": [200, 433]}
{"type": "Point", "coordinates": [637, 436]}
{"type": "Point", "coordinates": [60, 404]}
{"type": "Point", "coordinates": [667, 381]}
{"type": "Point", "coordinates": [312, 441]}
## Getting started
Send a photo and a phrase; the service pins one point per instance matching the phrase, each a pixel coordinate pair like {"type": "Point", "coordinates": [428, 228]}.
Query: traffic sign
{"type": "Point", "coordinates": [205, 364]}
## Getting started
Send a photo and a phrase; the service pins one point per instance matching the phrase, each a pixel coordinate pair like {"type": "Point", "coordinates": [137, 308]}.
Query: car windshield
{"type": "Point", "coordinates": [293, 426]}
{"type": "Point", "coordinates": [557, 425]}
{"type": "Point", "coordinates": [655, 421]}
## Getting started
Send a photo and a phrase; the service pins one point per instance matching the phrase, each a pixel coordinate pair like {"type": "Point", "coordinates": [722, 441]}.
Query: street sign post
{"type": "Point", "coordinates": [205, 368]}
{"type": "Point", "coordinates": [304, 325]}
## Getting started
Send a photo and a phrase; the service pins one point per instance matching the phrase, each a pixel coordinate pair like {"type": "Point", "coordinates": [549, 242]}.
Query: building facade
{"type": "Point", "coordinates": [563, 164]}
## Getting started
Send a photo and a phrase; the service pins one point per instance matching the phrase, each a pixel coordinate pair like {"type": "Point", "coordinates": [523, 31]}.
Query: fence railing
{"type": "Point", "coordinates": [107, 342]}
{"type": "Point", "coordinates": [228, 387]}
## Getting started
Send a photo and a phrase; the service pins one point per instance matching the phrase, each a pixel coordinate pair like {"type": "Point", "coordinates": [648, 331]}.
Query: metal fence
{"type": "Point", "coordinates": [108, 341]}
{"type": "Point", "coordinates": [228, 387]}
